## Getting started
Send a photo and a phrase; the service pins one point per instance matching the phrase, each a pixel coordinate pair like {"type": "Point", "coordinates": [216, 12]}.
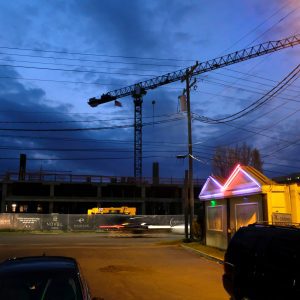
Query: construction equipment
{"type": "Point", "coordinates": [123, 210]}
{"type": "Point", "coordinates": [138, 90]}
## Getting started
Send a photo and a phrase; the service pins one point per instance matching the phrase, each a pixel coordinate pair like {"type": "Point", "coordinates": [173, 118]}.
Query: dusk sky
{"type": "Point", "coordinates": [55, 55]}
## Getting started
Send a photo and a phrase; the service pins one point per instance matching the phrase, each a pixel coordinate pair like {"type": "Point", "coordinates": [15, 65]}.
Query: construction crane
{"type": "Point", "coordinates": [138, 90]}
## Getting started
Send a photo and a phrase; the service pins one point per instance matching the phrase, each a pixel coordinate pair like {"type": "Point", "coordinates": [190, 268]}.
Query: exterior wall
{"type": "Point", "coordinates": [294, 191]}
{"type": "Point", "coordinates": [216, 224]}
{"type": "Point", "coordinates": [278, 200]}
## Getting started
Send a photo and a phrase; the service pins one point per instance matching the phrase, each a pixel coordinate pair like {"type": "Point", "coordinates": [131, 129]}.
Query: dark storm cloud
{"type": "Point", "coordinates": [24, 104]}
{"type": "Point", "coordinates": [138, 28]}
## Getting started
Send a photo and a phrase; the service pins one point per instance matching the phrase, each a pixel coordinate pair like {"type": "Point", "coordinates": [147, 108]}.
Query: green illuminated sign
{"type": "Point", "coordinates": [213, 202]}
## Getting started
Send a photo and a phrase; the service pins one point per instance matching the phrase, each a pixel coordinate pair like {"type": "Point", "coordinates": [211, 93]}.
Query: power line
{"type": "Point", "coordinates": [65, 139]}
{"type": "Point", "coordinates": [253, 81]}
{"type": "Point", "coordinates": [90, 128]}
{"type": "Point", "coordinates": [85, 121]}
{"type": "Point", "coordinates": [252, 75]}
{"type": "Point", "coordinates": [252, 90]}
{"type": "Point", "coordinates": [255, 28]}
{"type": "Point", "coordinates": [93, 61]}
{"type": "Point", "coordinates": [94, 54]}
{"type": "Point", "coordinates": [261, 101]}
{"type": "Point", "coordinates": [77, 66]}
{"type": "Point", "coordinates": [81, 66]}
{"type": "Point", "coordinates": [75, 70]}
{"type": "Point", "coordinates": [279, 21]}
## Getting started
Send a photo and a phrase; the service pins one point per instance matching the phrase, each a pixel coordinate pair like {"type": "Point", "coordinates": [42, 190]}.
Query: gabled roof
{"type": "Point", "coordinates": [244, 180]}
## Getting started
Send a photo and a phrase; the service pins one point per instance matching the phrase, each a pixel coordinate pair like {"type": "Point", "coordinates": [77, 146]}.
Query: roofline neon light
{"type": "Point", "coordinates": [223, 189]}
{"type": "Point", "coordinates": [206, 183]}
{"type": "Point", "coordinates": [249, 190]}
{"type": "Point", "coordinates": [211, 195]}
{"type": "Point", "coordinates": [204, 187]}
{"type": "Point", "coordinates": [231, 177]}
{"type": "Point", "coordinates": [216, 182]}
{"type": "Point", "coordinates": [251, 178]}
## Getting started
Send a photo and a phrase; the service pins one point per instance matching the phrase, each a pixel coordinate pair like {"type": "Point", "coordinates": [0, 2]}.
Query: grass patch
{"type": "Point", "coordinates": [206, 249]}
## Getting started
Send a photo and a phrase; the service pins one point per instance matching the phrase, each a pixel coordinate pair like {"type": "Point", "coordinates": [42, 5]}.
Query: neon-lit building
{"type": "Point", "coordinates": [245, 197]}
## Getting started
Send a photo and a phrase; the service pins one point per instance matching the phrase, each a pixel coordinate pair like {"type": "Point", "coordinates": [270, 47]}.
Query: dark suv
{"type": "Point", "coordinates": [263, 262]}
{"type": "Point", "coordinates": [42, 277]}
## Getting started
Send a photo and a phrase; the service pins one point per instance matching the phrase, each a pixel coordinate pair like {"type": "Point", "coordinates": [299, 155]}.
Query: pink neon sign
{"type": "Point", "coordinates": [248, 185]}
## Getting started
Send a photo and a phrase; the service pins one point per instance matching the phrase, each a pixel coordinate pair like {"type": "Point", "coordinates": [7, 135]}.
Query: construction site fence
{"type": "Point", "coordinates": [78, 222]}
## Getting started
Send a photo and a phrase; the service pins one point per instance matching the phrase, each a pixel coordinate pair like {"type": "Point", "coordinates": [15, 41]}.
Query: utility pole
{"type": "Point", "coordinates": [186, 206]}
{"type": "Point", "coordinates": [187, 79]}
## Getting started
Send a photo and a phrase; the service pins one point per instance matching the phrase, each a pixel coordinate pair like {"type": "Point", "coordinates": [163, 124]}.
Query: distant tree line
{"type": "Point", "coordinates": [226, 158]}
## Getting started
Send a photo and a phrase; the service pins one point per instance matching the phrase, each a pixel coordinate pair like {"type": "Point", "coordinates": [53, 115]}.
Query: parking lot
{"type": "Point", "coordinates": [126, 266]}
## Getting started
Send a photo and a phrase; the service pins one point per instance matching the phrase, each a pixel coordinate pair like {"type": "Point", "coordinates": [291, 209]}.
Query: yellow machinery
{"type": "Point", "coordinates": [123, 210]}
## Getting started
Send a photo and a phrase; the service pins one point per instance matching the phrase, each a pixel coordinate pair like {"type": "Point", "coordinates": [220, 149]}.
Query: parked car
{"type": "Point", "coordinates": [263, 262]}
{"type": "Point", "coordinates": [42, 277]}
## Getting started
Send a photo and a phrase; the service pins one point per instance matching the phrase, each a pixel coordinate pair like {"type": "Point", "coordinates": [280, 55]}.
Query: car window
{"type": "Point", "coordinates": [39, 287]}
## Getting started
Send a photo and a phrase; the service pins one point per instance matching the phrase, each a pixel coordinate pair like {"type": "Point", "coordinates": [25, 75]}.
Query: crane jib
{"type": "Point", "coordinates": [213, 64]}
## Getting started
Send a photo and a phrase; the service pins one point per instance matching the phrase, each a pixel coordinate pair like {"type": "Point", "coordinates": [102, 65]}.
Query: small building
{"type": "Point", "coordinates": [246, 196]}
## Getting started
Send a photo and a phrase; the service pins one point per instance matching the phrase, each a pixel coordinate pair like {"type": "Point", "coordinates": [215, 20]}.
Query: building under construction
{"type": "Point", "coordinates": [40, 192]}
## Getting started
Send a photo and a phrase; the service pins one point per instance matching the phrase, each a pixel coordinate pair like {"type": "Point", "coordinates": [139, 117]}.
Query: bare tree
{"type": "Point", "coordinates": [225, 158]}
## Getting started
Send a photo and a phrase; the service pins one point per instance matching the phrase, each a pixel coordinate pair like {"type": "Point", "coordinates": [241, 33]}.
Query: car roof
{"type": "Point", "coordinates": [39, 263]}
{"type": "Point", "coordinates": [266, 226]}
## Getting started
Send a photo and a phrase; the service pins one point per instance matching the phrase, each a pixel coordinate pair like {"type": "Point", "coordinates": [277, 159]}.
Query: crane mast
{"type": "Point", "coordinates": [139, 89]}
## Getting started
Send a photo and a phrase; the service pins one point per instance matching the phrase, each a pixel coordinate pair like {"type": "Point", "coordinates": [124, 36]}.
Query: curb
{"type": "Point", "coordinates": [208, 256]}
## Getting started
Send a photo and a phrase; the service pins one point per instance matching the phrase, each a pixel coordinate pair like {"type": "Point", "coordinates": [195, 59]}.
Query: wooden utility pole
{"type": "Point", "coordinates": [187, 79]}
{"type": "Point", "coordinates": [186, 206]}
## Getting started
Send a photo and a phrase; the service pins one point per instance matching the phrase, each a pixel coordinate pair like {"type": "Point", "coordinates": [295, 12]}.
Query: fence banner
{"type": "Point", "coordinates": [76, 222]}
{"type": "Point", "coordinates": [81, 222]}
{"type": "Point", "coordinates": [6, 221]}
{"type": "Point", "coordinates": [27, 221]}
{"type": "Point", "coordinates": [55, 222]}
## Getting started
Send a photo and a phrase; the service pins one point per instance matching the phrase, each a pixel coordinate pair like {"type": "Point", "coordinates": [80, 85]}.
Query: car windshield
{"type": "Point", "coordinates": [38, 286]}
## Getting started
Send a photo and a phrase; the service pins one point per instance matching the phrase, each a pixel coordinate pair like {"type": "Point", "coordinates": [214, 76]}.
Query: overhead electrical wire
{"type": "Point", "coordinates": [250, 75]}
{"type": "Point", "coordinates": [255, 28]}
{"type": "Point", "coordinates": [273, 26]}
{"type": "Point", "coordinates": [88, 121]}
{"type": "Point", "coordinates": [81, 66]}
{"type": "Point", "coordinates": [92, 60]}
{"type": "Point", "coordinates": [253, 90]}
{"type": "Point", "coordinates": [86, 140]}
{"type": "Point", "coordinates": [94, 54]}
{"type": "Point", "coordinates": [76, 70]}
{"type": "Point", "coordinates": [256, 104]}
{"type": "Point", "coordinates": [179, 118]}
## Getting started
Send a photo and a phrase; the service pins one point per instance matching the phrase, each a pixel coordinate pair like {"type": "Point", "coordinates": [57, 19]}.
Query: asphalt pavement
{"type": "Point", "coordinates": [120, 266]}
